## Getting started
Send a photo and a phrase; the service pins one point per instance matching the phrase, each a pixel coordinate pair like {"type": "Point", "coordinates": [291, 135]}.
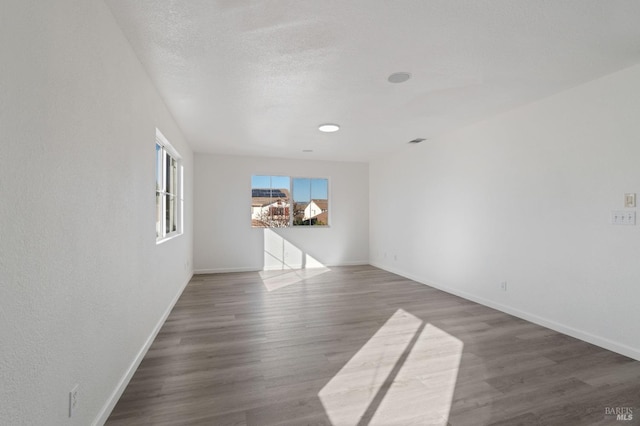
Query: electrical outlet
{"type": "Point", "coordinates": [623, 217]}
{"type": "Point", "coordinates": [503, 286]}
{"type": "Point", "coordinates": [73, 400]}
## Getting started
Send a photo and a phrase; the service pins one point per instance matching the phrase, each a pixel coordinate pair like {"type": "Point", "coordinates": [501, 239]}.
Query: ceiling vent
{"type": "Point", "coordinates": [418, 140]}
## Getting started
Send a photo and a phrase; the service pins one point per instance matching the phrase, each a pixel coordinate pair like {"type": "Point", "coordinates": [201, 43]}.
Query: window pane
{"type": "Point", "coordinates": [311, 202]}
{"type": "Point", "coordinates": [158, 214]}
{"type": "Point", "coordinates": [301, 199]}
{"type": "Point", "coordinates": [270, 201]}
{"type": "Point", "coordinates": [319, 209]}
{"type": "Point", "coordinates": [173, 177]}
{"type": "Point", "coordinates": [170, 214]}
{"type": "Point", "coordinates": [302, 189]}
{"type": "Point", "coordinates": [174, 213]}
{"type": "Point", "coordinates": [171, 174]}
{"type": "Point", "coordinates": [159, 168]}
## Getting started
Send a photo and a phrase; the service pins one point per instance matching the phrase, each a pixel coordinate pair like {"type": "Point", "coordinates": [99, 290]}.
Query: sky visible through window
{"type": "Point", "coordinates": [158, 167]}
{"type": "Point", "coordinates": [304, 189]}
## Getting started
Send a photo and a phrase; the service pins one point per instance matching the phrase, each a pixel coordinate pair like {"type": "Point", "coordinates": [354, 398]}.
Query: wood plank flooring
{"type": "Point", "coordinates": [360, 346]}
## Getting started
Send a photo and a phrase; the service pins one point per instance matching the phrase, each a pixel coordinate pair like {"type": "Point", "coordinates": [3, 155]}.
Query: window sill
{"type": "Point", "coordinates": [165, 239]}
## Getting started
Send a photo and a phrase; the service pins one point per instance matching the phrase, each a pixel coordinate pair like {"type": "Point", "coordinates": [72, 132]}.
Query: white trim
{"type": "Point", "coordinates": [168, 151]}
{"type": "Point", "coordinates": [164, 142]}
{"type": "Point", "coordinates": [226, 270]}
{"type": "Point", "coordinates": [349, 263]}
{"type": "Point", "coordinates": [258, 269]}
{"type": "Point", "coordinates": [104, 414]}
{"type": "Point", "coordinates": [168, 238]}
{"type": "Point", "coordinates": [600, 341]}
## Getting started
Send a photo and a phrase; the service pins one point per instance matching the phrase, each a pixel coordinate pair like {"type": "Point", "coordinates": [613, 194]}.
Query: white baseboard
{"type": "Point", "coordinates": [258, 269]}
{"type": "Point", "coordinates": [124, 381]}
{"type": "Point", "coordinates": [350, 263]}
{"type": "Point", "coordinates": [603, 342]}
{"type": "Point", "coordinates": [226, 270]}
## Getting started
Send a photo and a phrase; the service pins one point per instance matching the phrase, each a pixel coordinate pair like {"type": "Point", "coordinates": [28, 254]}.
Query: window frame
{"type": "Point", "coordinates": [270, 215]}
{"type": "Point", "coordinates": [292, 212]}
{"type": "Point", "coordinates": [167, 156]}
{"type": "Point", "coordinates": [328, 224]}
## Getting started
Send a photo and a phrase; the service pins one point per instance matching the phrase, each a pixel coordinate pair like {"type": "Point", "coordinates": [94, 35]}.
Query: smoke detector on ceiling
{"type": "Point", "coordinates": [417, 140]}
{"type": "Point", "coordinates": [399, 77]}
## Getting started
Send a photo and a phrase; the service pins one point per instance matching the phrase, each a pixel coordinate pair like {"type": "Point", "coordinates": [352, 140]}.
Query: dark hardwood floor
{"type": "Point", "coordinates": [361, 346]}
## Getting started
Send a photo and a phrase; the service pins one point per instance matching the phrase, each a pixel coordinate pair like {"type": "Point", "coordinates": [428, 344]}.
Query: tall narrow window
{"type": "Point", "coordinates": [168, 189]}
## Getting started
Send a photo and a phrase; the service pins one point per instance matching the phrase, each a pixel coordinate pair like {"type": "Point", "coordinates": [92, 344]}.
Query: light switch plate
{"type": "Point", "coordinates": [630, 199]}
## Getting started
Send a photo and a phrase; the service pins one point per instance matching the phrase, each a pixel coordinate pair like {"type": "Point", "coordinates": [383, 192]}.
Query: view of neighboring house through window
{"type": "Point", "coordinates": [270, 201]}
{"type": "Point", "coordinates": [273, 206]}
{"type": "Point", "coordinates": [168, 189]}
{"type": "Point", "coordinates": [310, 202]}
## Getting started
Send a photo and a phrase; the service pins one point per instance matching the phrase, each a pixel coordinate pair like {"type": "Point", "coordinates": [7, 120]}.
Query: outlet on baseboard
{"type": "Point", "coordinates": [503, 286]}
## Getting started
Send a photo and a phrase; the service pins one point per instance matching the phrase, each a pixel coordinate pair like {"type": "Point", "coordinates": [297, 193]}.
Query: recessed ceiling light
{"type": "Point", "coordinates": [399, 77]}
{"type": "Point", "coordinates": [328, 128]}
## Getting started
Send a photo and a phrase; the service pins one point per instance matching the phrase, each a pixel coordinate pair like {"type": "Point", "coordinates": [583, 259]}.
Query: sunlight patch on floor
{"type": "Point", "coordinates": [405, 374]}
{"type": "Point", "coordinates": [285, 264]}
{"type": "Point", "coordinates": [274, 280]}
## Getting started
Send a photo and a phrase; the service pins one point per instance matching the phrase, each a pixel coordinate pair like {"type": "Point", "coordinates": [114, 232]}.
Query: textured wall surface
{"type": "Point", "coordinates": [225, 240]}
{"type": "Point", "coordinates": [525, 198]}
{"type": "Point", "coordinates": [82, 282]}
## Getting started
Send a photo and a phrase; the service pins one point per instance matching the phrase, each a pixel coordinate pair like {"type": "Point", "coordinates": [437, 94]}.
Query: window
{"type": "Point", "coordinates": [311, 202]}
{"type": "Point", "coordinates": [169, 199]}
{"type": "Point", "coordinates": [273, 206]}
{"type": "Point", "coordinates": [270, 201]}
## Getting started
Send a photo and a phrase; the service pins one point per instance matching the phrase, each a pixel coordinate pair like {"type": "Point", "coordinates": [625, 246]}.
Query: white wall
{"type": "Point", "coordinates": [82, 283]}
{"type": "Point", "coordinates": [225, 240]}
{"type": "Point", "coordinates": [525, 198]}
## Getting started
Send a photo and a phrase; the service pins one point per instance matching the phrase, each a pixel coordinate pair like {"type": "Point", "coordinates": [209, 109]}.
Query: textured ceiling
{"type": "Point", "coordinates": [257, 77]}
